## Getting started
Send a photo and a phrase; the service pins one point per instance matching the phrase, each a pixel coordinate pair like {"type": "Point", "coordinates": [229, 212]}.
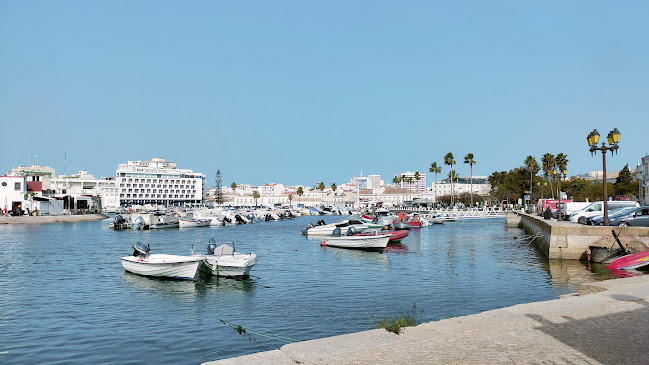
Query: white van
{"type": "Point", "coordinates": [596, 208]}
{"type": "Point", "coordinates": [571, 207]}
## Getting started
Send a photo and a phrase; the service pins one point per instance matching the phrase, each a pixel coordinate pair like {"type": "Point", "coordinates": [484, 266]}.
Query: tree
{"type": "Point", "coordinates": [548, 162]}
{"type": "Point", "coordinates": [334, 187]}
{"type": "Point", "coordinates": [450, 160]}
{"type": "Point", "coordinates": [417, 178]}
{"type": "Point", "coordinates": [396, 180]}
{"type": "Point", "coordinates": [625, 185]}
{"type": "Point", "coordinates": [300, 192]}
{"type": "Point", "coordinates": [533, 167]}
{"type": "Point", "coordinates": [321, 186]}
{"type": "Point", "coordinates": [469, 159]}
{"type": "Point", "coordinates": [255, 195]}
{"type": "Point", "coordinates": [290, 199]}
{"type": "Point", "coordinates": [219, 198]}
{"type": "Point", "coordinates": [436, 170]}
{"type": "Point", "coordinates": [234, 187]}
{"type": "Point", "coordinates": [562, 164]}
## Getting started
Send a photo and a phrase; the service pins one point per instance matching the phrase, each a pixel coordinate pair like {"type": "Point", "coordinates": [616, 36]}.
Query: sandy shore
{"type": "Point", "coordinates": [52, 219]}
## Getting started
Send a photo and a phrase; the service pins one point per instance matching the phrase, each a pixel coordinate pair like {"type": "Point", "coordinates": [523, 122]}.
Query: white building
{"type": "Point", "coordinates": [480, 186]}
{"type": "Point", "coordinates": [159, 182]}
{"type": "Point", "coordinates": [642, 173]}
{"type": "Point", "coordinates": [12, 192]}
{"type": "Point", "coordinates": [416, 185]}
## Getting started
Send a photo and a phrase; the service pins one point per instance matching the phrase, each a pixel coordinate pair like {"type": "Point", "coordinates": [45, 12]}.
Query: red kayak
{"type": "Point", "coordinates": [395, 236]}
{"type": "Point", "coordinates": [630, 262]}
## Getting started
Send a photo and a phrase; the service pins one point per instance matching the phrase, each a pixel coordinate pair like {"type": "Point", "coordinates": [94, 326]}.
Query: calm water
{"type": "Point", "coordinates": [64, 297]}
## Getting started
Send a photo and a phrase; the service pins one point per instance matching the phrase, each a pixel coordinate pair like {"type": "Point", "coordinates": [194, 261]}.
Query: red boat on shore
{"type": "Point", "coordinates": [395, 236]}
{"type": "Point", "coordinates": [630, 262]}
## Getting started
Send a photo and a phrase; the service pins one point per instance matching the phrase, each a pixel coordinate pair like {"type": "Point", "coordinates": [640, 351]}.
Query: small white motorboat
{"type": "Point", "coordinates": [350, 240]}
{"type": "Point", "coordinates": [221, 259]}
{"type": "Point", "coordinates": [194, 222]}
{"type": "Point", "coordinates": [322, 229]}
{"type": "Point", "coordinates": [141, 262]}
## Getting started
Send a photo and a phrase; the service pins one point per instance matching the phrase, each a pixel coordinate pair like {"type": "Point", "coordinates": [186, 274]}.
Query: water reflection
{"type": "Point", "coordinates": [399, 248]}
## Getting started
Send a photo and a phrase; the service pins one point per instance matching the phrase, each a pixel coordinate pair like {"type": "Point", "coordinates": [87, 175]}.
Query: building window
{"type": "Point", "coordinates": [17, 186]}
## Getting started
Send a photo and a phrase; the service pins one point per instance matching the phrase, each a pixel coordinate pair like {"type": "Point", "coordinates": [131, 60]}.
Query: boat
{"type": "Point", "coordinates": [630, 262]}
{"type": "Point", "coordinates": [221, 259]}
{"type": "Point", "coordinates": [194, 222]}
{"type": "Point", "coordinates": [373, 242]}
{"type": "Point", "coordinates": [395, 236]}
{"type": "Point", "coordinates": [162, 220]}
{"type": "Point", "coordinates": [323, 229]}
{"type": "Point", "coordinates": [401, 222]}
{"type": "Point", "coordinates": [143, 263]}
{"type": "Point", "coordinates": [600, 254]}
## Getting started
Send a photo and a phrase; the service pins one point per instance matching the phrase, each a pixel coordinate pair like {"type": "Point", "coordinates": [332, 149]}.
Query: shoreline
{"type": "Point", "coordinates": [565, 330]}
{"type": "Point", "coordinates": [52, 219]}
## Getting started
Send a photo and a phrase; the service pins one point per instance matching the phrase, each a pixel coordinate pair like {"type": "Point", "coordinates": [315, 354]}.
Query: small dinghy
{"type": "Point", "coordinates": [143, 263]}
{"type": "Point", "coordinates": [221, 259]}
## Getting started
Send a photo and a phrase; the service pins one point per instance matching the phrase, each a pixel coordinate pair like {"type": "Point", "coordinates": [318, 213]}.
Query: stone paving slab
{"type": "Point", "coordinates": [606, 327]}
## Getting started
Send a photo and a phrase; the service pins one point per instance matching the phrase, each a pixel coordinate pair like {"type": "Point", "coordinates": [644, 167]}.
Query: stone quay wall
{"type": "Point", "coordinates": [570, 241]}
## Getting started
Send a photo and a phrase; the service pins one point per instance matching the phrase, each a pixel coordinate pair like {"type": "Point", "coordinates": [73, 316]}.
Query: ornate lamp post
{"type": "Point", "coordinates": [613, 139]}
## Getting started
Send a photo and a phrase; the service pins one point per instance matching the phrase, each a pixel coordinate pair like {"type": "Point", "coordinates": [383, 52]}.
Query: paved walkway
{"type": "Point", "coordinates": [608, 326]}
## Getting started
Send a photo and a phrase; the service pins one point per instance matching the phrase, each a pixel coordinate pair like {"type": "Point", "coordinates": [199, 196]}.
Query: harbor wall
{"type": "Point", "coordinates": [570, 241]}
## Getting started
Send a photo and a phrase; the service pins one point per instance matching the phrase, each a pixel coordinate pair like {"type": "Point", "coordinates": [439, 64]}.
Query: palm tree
{"type": "Point", "coordinates": [334, 187]}
{"type": "Point", "coordinates": [436, 170]}
{"type": "Point", "coordinates": [397, 180]}
{"type": "Point", "coordinates": [290, 199]}
{"type": "Point", "coordinates": [532, 167]}
{"type": "Point", "coordinates": [300, 192]}
{"type": "Point", "coordinates": [469, 159]}
{"type": "Point", "coordinates": [320, 186]}
{"type": "Point", "coordinates": [417, 178]}
{"type": "Point", "coordinates": [449, 160]}
{"type": "Point", "coordinates": [255, 195]}
{"type": "Point", "coordinates": [234, 187]}
{"type": "Point", "coordinates": [409, 180]}
{"type": "Point", "coordinates": [562, 163]}
{"type": "Point", "coordinates": [548, 161]}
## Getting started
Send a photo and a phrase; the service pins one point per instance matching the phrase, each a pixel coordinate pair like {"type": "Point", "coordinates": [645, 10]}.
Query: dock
{"type": "Point", "coordinates": [606, 323]}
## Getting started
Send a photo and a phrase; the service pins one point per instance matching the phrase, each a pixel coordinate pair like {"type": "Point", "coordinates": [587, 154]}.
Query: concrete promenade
{"type": "Point", "coordinates": [608, 323]}
{"type": "Point", "coordinates": [4, 219]}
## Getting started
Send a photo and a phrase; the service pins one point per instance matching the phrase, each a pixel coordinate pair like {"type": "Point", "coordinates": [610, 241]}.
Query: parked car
{"type": "Point", "coordinates": [597, 207]}
{"type": "Point", "coordinates": [614, 216]}
{"type": "Point", "coordinates": [638, 217]}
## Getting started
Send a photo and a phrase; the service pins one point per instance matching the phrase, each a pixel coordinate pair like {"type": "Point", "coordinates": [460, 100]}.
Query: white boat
{"type": "Point", "coordinates": [221, 259]}
{"type": "Point", "coordinates": [160, 221]}
{"type": "Point", "coordinates": [160, 265]}
{"type": "Point", "coordinates": [194, 222]}
{"type": "Point", "coordinates": [377, 242]}
{"type": "Point", "coordinates": [322, 229]}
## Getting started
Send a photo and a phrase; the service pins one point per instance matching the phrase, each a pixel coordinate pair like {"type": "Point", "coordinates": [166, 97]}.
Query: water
{"type": "Point", "coordinates": [64, 297]}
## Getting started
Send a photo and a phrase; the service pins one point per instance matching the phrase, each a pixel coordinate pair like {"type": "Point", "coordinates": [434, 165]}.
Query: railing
{"type": "Point", "coordinates": [469, 213]}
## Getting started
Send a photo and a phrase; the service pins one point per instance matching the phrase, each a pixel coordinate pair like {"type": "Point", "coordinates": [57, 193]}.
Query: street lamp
{"type": "Point", "coordinates": [613, 139]}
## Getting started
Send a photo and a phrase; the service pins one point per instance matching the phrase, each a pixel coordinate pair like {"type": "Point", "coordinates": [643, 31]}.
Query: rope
{"type": "Point", "coordinates": [258, 332]}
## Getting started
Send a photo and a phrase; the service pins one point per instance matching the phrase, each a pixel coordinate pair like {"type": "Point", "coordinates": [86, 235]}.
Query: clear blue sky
{"type": "Point", "coordinates": [298, 92]}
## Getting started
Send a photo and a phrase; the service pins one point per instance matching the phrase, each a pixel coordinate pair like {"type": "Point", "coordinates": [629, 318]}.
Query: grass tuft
{"type": "Point", "coordinates": [395, 324]}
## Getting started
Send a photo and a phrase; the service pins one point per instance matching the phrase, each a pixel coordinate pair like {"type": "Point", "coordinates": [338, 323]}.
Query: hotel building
{"type": "Point", "coordinates": [159, 182]}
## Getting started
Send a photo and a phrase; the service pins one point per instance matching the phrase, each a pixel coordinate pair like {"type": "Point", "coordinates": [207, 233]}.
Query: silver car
{"type": "Point", "coordinates": [639, 217]}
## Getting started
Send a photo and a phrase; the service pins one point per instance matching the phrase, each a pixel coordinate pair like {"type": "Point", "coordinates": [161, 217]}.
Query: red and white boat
{"type": "Point", "coordinates": [630, 262]}
{"type": "Point", "coordinates": [395, 236]}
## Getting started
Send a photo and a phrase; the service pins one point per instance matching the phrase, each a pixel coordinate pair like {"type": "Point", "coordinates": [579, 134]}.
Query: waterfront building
{"type": "Point", "coordinates": [88, 192]}
{"type": "Point", "coordinates": [480, 184]}
{"type": "Point", "coordinates": [642, 173]}
{"type": "Point", "coordinates": [12, 192]}
{"type": "Point", "coordinates": [159, 182]}
{"type": "Point", "coordinates": [416, 185]}
{"type": "Point", "coordinates": [38, 177]}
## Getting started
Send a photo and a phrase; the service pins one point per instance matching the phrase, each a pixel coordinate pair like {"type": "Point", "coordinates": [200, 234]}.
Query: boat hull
{"type": "Point", "coordinates": [228, 265]}
{"type": "Point", "coordinates": [630, 262]}
{"type": "Point", "coordinates": [395, 236]}
{"type": "Point", "coordinates": [159, 265]}
{"type": "Point", "coordinates": [187, 223]}
{"type": "Point", "coordinates": [377, 242]}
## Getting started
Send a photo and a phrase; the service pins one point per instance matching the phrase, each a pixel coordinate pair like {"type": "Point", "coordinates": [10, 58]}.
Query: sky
{"type": "Point", "coordinates": [297, 92]}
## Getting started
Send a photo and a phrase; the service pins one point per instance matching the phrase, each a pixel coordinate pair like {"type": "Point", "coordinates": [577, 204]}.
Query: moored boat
{"type": "Point", "coordinates": [630, 262]}
{"type": "Point", "coordinates": [194, 222]}
{"type": "Point", "coordinates": [221, 259]}
{"type": "Point", "coordinates": [395, 236]}
{"type": "Point", "coordinates": [143, 263]}
{"type": "Point", "coordinates": [377, 242]}
{"type": "Point", "coordinates": [322, 229]}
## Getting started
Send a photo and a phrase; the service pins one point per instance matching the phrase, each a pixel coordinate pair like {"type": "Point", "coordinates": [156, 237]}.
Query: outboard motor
{"type": "Point", "coordinates": [140, 251]}
{"type": "Point", "coordinates": [119, 219]}
{"type": "Point", "coordinates": [336, 232]}
{"type": "Point", "coordinates": [139, 223]}
{"type": "Point", "coordinates": [351, 231]}
{"type": "Point", "coordinates": [239, 219]}
{"type": "Point", "coordinates": [321, 222]}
